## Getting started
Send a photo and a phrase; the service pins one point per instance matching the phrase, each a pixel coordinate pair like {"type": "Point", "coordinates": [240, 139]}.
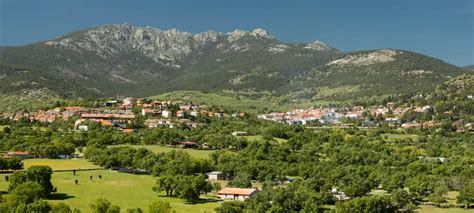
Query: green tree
{"type": "Point", "coordinates": [25, 194]}
{"type": "Point", "coordinates": [113, 209]}
{"type": "Point", "coordinates": [159, 207]}
{"type": "Point", "coordinates": [241, 181]}
{"type": "Point", "coordinates": [100, 206]}
{"type": "Point", "coordinates": [41, 175]}
{"type": "Point", "coordinates": [216, 186]}
{"type": "Point", "coordinates": [167, 183]}
{"type": "Point", "coordinates": [230, 207]}
{"type": "Point", "coordinates": [191, 187]}
{"type": "Point", "coordinates": [401, 197]}
{"type": "Point", "coordinates": [15, 163]}
{"type": "Point", "coordinates": [135, 210]}
{"type": "Point", "coordinates": [466, 195]}
{"type": "Point", "coordinates": [39, 206]}
{"type": "Point", "coordinates": [438, 195]}
{"type": "Point", "coordinates": [60, 208]}
{"type": "Point", "coordinates": [365, 204]}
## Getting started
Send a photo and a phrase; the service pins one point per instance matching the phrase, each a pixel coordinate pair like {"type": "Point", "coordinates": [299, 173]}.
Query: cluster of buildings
{"type": "Point", "coordinates": [46, 115]}
{"type": "Point", "coordinates": [120, 112]}
{"type": "Point", "coordinates": [339, 115]}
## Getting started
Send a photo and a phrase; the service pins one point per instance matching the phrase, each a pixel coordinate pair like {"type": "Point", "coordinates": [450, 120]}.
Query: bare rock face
{"type": "Point", "coordinates": [167, 47]}
{"type": "Point", "coordinates": [317, 45]}
{"type": "Point", "coordinates": [363, 59]}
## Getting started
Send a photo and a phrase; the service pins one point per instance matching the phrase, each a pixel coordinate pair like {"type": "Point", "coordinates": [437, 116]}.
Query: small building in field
{"type": "Point", "coordinates": [187, 144]}
{"type": "Point", "coordinates": [237, 193]}
{"type": "Point", "coordinates": [22, 155]}
{"type": "Point", "coordinates": [412, 125]}
{"type": "Point", "coordinates": [128, 131]}
{"type": "Point", "coordinates": [239, 133]}
{"type": "Point", "coordinates": [64, 156]}
{"type": "Point", "coordinates": [84, 128]}
{"type": "Point", "coordinates": [215, 175]}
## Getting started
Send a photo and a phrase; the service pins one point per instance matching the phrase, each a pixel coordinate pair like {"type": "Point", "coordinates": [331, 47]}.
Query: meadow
{"type": "Point", "coordinates": [61, 164]}
{"type": "Point", "coordinates": [195, 153]}
{"type": "Point", "coordinates": [124, 190]}
{"type": "Point", "coordinates": [257, 138]}
{"type": "Point", "coordinates": [131, 191]}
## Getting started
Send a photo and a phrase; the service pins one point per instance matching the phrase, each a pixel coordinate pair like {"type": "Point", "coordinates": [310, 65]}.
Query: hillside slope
{"type": "Point", "coordinates": [126, 60]}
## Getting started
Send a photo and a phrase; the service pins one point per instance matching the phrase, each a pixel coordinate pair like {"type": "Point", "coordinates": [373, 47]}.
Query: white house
{"type": "Point", "coordinates": [215, 175]}
{"type": "Point", "coordinates": [239, 133]}
{"type": "Point", "coordinates": [166, 113]}
{"type": "Point", "coordinates": [237, 193]}
{"type": "Point", "coordinates": [194, 113]}
{"type": "Point", "coordinates": [83, 128]}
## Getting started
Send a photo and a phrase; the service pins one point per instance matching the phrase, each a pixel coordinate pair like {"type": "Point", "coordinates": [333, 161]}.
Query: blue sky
{"type": "Point", "coordinates": [440, 28]}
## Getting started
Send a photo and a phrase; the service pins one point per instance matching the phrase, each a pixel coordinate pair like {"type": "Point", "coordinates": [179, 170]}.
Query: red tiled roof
{"type": "Point", "coordinates": [106, 123]}
{"type": "Point", "coordinates": [128, 130]}
{"type": "Point", "coordinates": [237, 191]}
{"type": "Point", "coordinates": [99, 115]}
{"type": "Point", "coordinates": [188, 143]}
{"type": "Point", "coordinates": [19, 153]}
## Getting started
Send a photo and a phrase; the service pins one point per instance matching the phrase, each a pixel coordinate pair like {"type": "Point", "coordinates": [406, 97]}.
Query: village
{"type": "Point", "coordinates": [120, 113]}
{"type": "Point", "coordinates": [389, 115]}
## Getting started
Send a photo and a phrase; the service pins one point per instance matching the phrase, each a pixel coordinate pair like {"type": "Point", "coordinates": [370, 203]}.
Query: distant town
{"type": "Point", "coordinates": [169, 113]}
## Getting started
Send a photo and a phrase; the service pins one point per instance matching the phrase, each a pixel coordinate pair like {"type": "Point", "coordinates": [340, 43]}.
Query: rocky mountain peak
{"type": "Point", "coordinates": [238, 34]}
{"type": "Point", "coordinates": [317, 45]}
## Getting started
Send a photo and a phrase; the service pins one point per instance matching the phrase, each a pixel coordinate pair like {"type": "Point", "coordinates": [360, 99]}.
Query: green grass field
{"type": "Point", "coordinates": [195, 153]}
{"type": "Point", "coordinates": [2, 127]}
{"type": "Point", "coordinates": [124, 190]}
{"type": "Point", "coordinates": [61, 164]}
{"type": "Point", "coordinates": [432, 209]}
{"type": "Point", "coordinates": [260, 138]}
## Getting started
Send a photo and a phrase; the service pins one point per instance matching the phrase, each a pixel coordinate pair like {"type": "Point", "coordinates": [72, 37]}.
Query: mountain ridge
{"type": "Point", "coordinates": [121, 59]}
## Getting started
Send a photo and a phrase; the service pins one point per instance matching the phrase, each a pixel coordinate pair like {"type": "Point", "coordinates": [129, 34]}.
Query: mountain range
{"type": "Point", "coordinates": [121, 59]}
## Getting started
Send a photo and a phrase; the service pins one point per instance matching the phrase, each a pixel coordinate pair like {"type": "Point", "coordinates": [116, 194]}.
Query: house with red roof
{"type": "Point", "coordinates": [237, 193]}
{"type": "Point", "coordinates": [22, 155]}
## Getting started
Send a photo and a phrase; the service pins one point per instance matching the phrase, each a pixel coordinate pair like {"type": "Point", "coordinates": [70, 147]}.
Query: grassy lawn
{"type": "Point", "coordinates": [61, 164]}
{"type": "Point", "coordinates": [451, 197]}
{"type": "Point", "coordinates": [260, 138]}
{"type": "Point", "coordinates": [2, 127]}
{"type": "Point", "coordinates": [195, 153]}
{"type": "Point", "coordinates": [432, 209]}
{"type": "Point", "coordinates": [393, 137]}
{"type": "Point", "coordinates": [124, 190]}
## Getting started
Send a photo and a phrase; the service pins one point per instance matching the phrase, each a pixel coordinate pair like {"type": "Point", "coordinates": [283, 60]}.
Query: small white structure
{"type": "Point", "coordinates": [240, 133]}
{"type": "Point", "coordinates": [194, 113]}
{"type": "Point", "coordinates": [166, 113]}
{"type": "Point", "coordinates": [215, 175]}
{"type": "Point", "coordinates": [339, 195]}
{"type": "Point", "coordinates": [64, 156]}
{"type": "Point", "coordinates": [237, 193]}
{"type": "Point", "coordinates": [82, 128]}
